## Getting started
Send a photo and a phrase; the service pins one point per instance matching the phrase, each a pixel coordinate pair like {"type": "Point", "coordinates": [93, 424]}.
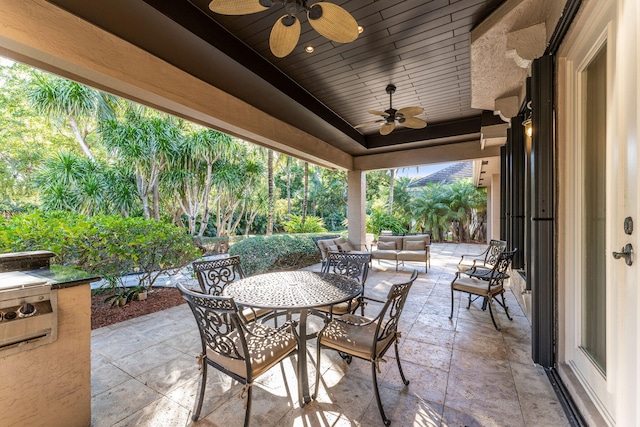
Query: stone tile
{"type": "Point", "coordinates": [117, 403]}
{"type": "Point", "coordinates": [142, 361]}
{"type": "Point", "coordinates": [403, 409]}
{"type": "Point", "coordinates": [105, 377]}
{"type": "Point", "coordinates": [425, 382]}
{"type": "Point", "coordinates": [426, 354]}
{"type": "Point", "coordinates": [537, 399]}
{"type": "Point", "coordinates": [163, 412]}
{"type": "Point", "coordinates": [220, 387]}
{"type": "Point", "coordinates": [473, 417]}
{"type": "Point", "coordinates": [170, 375]}
{"type": "Point", "coordinates": [431, 335]}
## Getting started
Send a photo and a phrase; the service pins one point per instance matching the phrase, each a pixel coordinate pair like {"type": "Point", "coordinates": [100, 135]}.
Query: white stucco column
{"type": "Point", "coordinates": [493, 208]}
{"type": "Point", "coordinates": [356, 206]}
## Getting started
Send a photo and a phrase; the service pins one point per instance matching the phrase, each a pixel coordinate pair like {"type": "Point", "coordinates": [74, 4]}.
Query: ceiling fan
{"type": "Point", "coordinates": [328, 19]}
{"type": "Point", "coordinates": [391, 116]}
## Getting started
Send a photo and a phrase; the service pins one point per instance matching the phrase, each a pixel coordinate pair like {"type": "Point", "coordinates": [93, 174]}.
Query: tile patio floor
{"type": "Point", "coordinates": [462, 371]}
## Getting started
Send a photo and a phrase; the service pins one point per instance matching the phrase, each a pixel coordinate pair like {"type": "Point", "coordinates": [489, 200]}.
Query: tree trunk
{"type": "Point", "coordinates": [392, 182]}
{"type": "Point", "coordinates": [288, 185]}
{"type": "Point", "coordinates": [305, 199]}
{"type": "Point", "coordinates": [79, 138]}
{"type": "Point", "coordinates": [206, 211]}
{"type": "Point", "coordinates": [270, 202]}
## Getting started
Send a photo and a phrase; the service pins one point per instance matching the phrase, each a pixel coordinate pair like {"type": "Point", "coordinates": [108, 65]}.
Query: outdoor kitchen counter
{"type": "Point", "coordinates": [47, 384]}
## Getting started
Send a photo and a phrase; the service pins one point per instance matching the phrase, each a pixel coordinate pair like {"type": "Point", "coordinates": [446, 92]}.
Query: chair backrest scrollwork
{"type": "Point", "coordinates": [214, 275]}
{"type": "Point", "coordinates": [500, 269]}
{"type": "Point", "coordinates": [496, 247]}
{"type": "Point", "coordinates": [219, 323]}
{"type": "Point", "coordinates": [389, 316]}
{"type": "Point", "coordinates": [352, 265]}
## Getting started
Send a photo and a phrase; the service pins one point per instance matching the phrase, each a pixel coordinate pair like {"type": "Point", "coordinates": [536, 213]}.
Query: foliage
{"type": "Point", "coordinates": [278, 252]}
{"type": "Point", "coordinates": [110, 246]}
{"type": "Point", "coordinates": [380, 220]}
{"type": "Point", "coordinates": [312, 224]}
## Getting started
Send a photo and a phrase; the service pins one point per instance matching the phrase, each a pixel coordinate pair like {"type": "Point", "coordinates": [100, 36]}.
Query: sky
{"type": "Point", "coordinates": [422, 170]}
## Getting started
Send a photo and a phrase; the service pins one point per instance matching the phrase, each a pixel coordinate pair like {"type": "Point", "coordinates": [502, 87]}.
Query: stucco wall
{"type": "Point", "coordinates": [50, 385]}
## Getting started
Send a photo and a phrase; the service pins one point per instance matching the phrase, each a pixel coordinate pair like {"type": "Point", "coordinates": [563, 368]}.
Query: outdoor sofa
{"type": "Point", "coordinates": [336, 243]}
{"type": "Point", "coordinates": [404, 248]}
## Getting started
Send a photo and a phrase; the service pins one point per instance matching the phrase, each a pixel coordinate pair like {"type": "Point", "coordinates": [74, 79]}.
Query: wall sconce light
{"type": "Point", "coordinates": [528, 128]}
{"type": "Point", "coordinates": [527, 123]}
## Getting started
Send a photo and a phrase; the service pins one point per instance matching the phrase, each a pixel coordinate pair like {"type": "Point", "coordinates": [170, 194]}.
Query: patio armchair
{"type": "Point", "coordinates": [484, 261]}
{"type": "Point", "coordinates": [244, 351]}
{"type": "Point", "coordinates": [488, 285]}
{"type": "Point", "coordinates": [214, 275]}
{"type": "Point", "coordinates": [352, 265]}
{"type": "Point", "coordinates": [368, 338]}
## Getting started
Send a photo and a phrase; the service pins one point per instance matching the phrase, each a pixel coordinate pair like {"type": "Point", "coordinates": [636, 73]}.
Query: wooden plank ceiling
{"type": "Point", "coordinates": [420, 46]}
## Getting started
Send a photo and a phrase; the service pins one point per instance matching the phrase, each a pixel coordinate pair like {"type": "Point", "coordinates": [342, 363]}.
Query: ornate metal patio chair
{"type": "Point", "coordinates": [352, 265]}
{"type": "Point", "coordinates": [244, 351]}
{"type": "Point", "coordinates": [214, 275]}
{"type": "Point", "coordinates": [368, 338]}
{"type": "Point", "coordinates": [483, 262]}
{"type": "Point", "coordinates": [487, 286]}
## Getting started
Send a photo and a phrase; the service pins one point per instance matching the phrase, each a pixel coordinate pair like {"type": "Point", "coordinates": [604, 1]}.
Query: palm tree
{"type": "Point", "coordinates": [431, 209]}
{"type": "Point", "coordinates": [147, 140]}
{"type": "Point", "coordinates": [76, 104]}
{"type": "Point", "coordinates": [464, 199]}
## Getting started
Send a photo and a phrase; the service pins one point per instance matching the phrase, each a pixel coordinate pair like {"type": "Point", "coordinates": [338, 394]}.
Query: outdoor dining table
{"type": "Point", "coordinates": [294, 292]}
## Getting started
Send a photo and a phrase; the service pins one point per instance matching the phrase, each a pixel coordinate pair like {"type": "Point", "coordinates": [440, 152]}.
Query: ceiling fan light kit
{"type": "Point", "coordinates": [329, 20]}
{"type": "Point", "coordinates": [391, 116]}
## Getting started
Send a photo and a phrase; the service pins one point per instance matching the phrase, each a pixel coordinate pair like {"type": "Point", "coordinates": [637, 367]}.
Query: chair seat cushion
{"type": "Point", "coordinates": [475, 286]}
{"type": "Point", "coordinates": [412, 255]}
{"type": "Point", "coordinates": [341, 308]}
{"type": "Point", "coordinates": [354, 340]}
{"type": "Point", "coordinates": [265, 352]}
{"type": "Point", "coordinates": [384, 254]}
{"type": "Point", "coordinates": [252, 314]}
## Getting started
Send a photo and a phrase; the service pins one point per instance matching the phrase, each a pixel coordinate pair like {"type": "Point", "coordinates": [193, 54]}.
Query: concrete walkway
{"type": "Point", "coordinates": [462, 371]}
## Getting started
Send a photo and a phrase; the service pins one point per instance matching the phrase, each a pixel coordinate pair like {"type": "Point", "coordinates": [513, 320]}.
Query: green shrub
{"type": "Point", "coordinates": [312, 224]}
{"type": "Point", "coordinates": [110, 246]}
{"type": "Point", "coordinates": [281, 252]}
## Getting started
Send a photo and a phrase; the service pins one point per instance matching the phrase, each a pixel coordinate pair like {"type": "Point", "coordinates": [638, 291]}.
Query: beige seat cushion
{"type": "Point", "coordinates": [341, 308]}
{"type": "Point", "coordinates": [386, 246]}
{"type": "Point", "coordinates": [474, 286]}
{"type": "Point", "coordinates": [383, 254]}
{"type": "Point", "coordinates": [252, 314]}
{"type": "Point", "coordinates": [412, 255]}
{"type": "Point", "coordinates": [414, 245]}
{"type": "Point", "coordinates": [265, 352]}
{"type": "Point", "coordinates": [354, 340]}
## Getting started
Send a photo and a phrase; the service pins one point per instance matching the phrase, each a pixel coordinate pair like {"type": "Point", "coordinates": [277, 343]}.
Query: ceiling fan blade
{"type": "Point", "coordinates": [236, 7]}
{"type": "Point", "coordinates": [387, 128]}
{"type": "Point", "coordinates": [378, 113]}
{"type": "Point", "coordinates": [411, 111]}
{"type": "Point", "coordinates": [414, 123]}
{"type": "Point", "coordinates": [284, 36]}
{"type": "Point", "coordinates": [369, 123]}
{"type": "Point", "coordinates": [333, 22]}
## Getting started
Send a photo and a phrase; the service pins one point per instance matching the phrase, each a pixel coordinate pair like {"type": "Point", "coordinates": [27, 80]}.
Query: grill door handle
{"type": "Point", "coordinates": [626, 253]}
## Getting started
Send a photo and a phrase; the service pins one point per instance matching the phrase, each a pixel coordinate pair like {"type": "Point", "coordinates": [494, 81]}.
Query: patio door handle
{"type": "Point", "coordinates": [626, 253]}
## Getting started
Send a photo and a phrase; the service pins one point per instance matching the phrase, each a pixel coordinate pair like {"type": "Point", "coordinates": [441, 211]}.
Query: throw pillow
{"type": "Point", "coordinates": [414, 245]}
{"type": "Point", "coordinates": [345, 247]}
{"type": "Point", "coordinates": [332, 248]}
{"type": "Point", "coordinates": [387, 246]}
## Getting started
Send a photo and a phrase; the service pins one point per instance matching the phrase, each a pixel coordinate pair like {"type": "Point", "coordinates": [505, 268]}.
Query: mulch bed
{"type": "Point", "coordinates": [104, 314]}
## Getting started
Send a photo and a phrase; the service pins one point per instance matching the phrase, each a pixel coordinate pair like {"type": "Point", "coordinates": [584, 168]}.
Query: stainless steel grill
{"type": "Point", "coordinates": [28, 312]}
